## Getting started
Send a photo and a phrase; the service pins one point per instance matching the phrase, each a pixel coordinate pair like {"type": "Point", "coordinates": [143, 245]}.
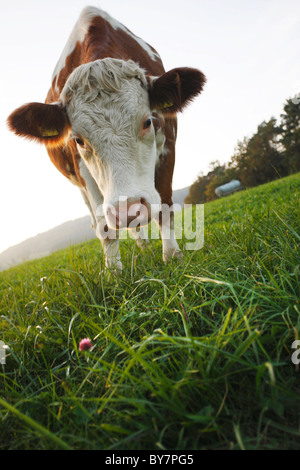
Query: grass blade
{"type": "Point", "coordinates": [36, 426]}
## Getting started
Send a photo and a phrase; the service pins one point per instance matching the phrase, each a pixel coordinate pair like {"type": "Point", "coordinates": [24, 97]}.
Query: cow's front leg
{"type": "Point", "coordinates": [112, 255]}
{"type": "Point", "coordinates": [165, 222]}
{"type": "Point", "coordinates": [111, 246]}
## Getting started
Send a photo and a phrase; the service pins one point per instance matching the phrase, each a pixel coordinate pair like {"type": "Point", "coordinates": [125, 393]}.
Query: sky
{"type": "Point", "coordinates": [249, 51]}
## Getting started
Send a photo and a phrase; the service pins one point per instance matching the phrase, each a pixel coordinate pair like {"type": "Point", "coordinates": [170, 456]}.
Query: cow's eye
{"type": "Point", "coordinates": [79, 141]}
{"type": "Point", "coordinates": [147, 123]}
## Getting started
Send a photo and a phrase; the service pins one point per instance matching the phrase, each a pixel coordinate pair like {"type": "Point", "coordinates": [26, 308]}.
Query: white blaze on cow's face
{"type": "Point", "coordinates": [107, 103]}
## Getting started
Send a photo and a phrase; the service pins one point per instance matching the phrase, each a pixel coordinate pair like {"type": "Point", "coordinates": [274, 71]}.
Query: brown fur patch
{"type": "Point", "coordinates": [66, 159]}
{"type": "Point", "coordinates": [103, 41]}
{"type": "Point", "coordinates": [73, 60]}
{"type": "Point", "coordinates": [165, 167]}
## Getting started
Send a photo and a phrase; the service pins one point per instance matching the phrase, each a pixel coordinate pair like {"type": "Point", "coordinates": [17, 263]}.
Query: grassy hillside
{"type": "Point", "coordinates": [193, 355]}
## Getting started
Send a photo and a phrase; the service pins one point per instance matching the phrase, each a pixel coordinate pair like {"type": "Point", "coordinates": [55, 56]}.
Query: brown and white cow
{"type": "Point", "coordinates": [109, 125]}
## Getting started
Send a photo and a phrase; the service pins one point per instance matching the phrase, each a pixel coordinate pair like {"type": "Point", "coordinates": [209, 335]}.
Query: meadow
{"type": "Point", "coordinates": [196, 354]}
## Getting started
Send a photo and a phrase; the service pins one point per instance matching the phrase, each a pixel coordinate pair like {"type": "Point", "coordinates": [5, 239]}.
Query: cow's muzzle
{"type": "Point", "coordinates": [128, 213]}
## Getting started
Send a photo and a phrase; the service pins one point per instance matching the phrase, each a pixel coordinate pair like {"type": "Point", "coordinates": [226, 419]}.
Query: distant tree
{"type": "Point", "coordinates": [197, 190]}
{"type": "Point", "coordinates": [239, 160]}
{"type": "Point", "coordinates": [290, 133]}
{"type": "Point", "coordinates": [203, 189]}
{"type": "Point", "coordinates": [257, 159]}
{"type": "Point", "coordinates": [220, 174]}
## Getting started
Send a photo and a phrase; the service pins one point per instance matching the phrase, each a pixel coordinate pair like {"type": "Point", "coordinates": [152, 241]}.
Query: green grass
{"type": "Point", "coordinates": [192, 355]}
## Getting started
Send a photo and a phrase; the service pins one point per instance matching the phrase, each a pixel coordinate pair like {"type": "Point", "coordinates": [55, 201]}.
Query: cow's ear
{"type": "Point", "coordinates": [44, 123]}
{"type": "Point", "coordinates": [175, 89]}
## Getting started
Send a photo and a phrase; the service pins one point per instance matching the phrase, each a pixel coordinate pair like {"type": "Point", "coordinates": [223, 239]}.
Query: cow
{"type": "Point", "coordinates": [109, 125]}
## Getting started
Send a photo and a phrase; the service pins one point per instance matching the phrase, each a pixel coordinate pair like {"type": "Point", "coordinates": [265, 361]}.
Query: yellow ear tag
{"type": "Point", "coordinates": [49, 132]}
{"type": "Point", "coordinates": [168, 104]}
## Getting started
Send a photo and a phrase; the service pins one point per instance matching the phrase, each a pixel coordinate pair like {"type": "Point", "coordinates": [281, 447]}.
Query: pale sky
{"type": "Point", "coordinates": [248, 49]}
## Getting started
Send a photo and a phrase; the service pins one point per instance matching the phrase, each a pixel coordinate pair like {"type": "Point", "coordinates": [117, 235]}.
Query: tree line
{"type": "Point", "coordinates": [271, 153]}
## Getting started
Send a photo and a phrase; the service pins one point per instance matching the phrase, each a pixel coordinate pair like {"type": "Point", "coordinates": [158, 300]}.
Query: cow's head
{"type": "Point", "coordinates": [109, 107]}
